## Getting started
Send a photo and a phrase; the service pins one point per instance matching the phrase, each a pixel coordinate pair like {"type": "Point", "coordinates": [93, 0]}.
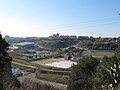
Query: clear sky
{"type": "Point", "coordinates": [40, 18]}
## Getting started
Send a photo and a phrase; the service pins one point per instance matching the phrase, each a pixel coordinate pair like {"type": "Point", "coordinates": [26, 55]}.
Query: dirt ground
{"type": "Point", "coordinates": [46, 61]}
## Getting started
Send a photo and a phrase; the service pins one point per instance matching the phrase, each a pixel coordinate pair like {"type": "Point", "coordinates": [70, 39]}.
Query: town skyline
{"type": "Point", "coordinates": [61, 35]}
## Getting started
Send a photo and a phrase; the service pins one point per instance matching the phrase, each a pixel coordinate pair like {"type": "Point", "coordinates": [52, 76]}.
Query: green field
{"type": "Point", "coordinates": [103, 54]}
{"type": "Point", "coordinates": [100, 54]}
{"type": "Point", "coordinates": [53, 78]}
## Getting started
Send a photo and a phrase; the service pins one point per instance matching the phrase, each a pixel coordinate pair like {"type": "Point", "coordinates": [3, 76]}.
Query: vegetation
{"type": "Point", "coordinates": [54, 72]}
{"type": "Point", "coordinates": [56, 44]}
{"type": "Point", "coordinates": [99, 44]}
{"type": "Point", "coordinates": [81, 77]}
{"type": "Point", "coordinates": [53, 77]}
{"type": "Point", "coordinates": [89, 74]}
{"type": "Point", "coordinates": [108, 74]}
{"type": "Point", "coordinates": [39, 85]}
{"type": "Point", "coordinates": [57, 75]}
{"type": "Point", "coordinates": [19, 66]}
{"type": "Point", "coordinates": [100, 53]}
{"type": "Point", "coordinates": [93, 74]}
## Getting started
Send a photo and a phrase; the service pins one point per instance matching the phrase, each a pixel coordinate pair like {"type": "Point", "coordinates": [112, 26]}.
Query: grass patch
{"type": "Point", "coordinates": [59, 72]}
{"type": "Point", "coordinates": [53, 78]}
{"type": "Point", "coordinates": [19, 66]}
{"type": "Point", "coordinates": [101, 53]}
{"type": "Point", "coordinates": [53, 74]}
{"type": "Point", "coordinates": [21, 61]}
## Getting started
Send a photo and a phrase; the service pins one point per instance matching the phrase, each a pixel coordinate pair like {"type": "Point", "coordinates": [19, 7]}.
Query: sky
{"type": "Point", "coordinates": [41, 18]}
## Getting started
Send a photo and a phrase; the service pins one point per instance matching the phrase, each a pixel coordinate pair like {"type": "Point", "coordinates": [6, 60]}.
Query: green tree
{"type": "Point", "coordinates": [90, 74]}
{"type": "Point", "coordinates": [81, 77]}
{"type": "Point", "coordinates": [108, 72]}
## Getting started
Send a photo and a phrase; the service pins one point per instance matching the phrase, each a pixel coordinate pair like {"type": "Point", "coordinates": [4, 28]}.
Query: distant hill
{"type": "Point", "coordinates": [56, 44]}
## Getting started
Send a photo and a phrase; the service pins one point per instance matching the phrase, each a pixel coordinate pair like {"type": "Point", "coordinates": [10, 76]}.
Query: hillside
{"type": "Point", "coordinates": [7, 80]}
{"type": "Point", "coordinates": [56, 44]}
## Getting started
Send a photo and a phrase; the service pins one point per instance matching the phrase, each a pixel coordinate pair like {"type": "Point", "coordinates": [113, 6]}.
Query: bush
{"type": "Point", "coordinates": [108, 73]}
{"type": "Point", "coordinates": [90, 74]}
{"type": "Point", "coordinates": [81, 76]}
